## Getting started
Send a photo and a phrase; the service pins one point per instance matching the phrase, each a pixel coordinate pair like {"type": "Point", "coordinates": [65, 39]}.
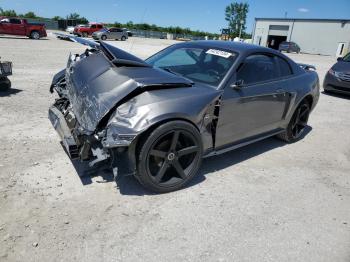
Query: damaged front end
{"type": "Point", "coordinates": [95, 90]}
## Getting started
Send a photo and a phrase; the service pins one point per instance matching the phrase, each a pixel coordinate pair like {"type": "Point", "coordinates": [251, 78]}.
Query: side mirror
{"type": "Point", "coordinates": [339, 59]}
{"type": "Point", "coordinates": [237, 85]}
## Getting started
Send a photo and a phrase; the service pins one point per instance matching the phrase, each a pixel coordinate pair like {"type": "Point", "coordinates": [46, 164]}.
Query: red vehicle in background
{"type": "Point", "coordinates": [18, 26]}
{"type": "Point", "coordinates": [87, 30]}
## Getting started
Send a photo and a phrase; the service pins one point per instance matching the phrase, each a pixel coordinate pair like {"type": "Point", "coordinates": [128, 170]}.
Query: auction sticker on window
{"type": "Point", "coordinates": [219, 53]}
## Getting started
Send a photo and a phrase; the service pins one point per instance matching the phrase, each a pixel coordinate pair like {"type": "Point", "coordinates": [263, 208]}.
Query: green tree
{"type": "Point", "coordinates": [73, 16]}
{"type": "Point", "coordinates": [117, 24]}
{"type": "Point", "coordinates": [30, 15]}
{"type": "Point", "coordinates": [11, 13]}
{"type": "Point", "coordinates": [56, 18]}
{"type": "Point", "coordinates": [130, 24]}
{"type": "Point", "coordinates": [78, 18]}
{"type": "Point", "coordinates": [236, 15]}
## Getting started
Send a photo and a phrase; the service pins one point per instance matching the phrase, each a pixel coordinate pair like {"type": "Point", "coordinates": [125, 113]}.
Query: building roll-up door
{"type": "Point", "coordinates": [279, 30]}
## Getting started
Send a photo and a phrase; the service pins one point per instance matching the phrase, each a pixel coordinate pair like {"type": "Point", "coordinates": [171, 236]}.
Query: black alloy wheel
{"type": "Point", "coordinates": [297, 124]}
{"type": "Point", "coordinates": [170, 157]}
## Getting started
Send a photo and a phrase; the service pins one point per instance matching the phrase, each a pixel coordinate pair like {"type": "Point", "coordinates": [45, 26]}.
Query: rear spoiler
{"type": "Point", "coordinates": [306, 66]}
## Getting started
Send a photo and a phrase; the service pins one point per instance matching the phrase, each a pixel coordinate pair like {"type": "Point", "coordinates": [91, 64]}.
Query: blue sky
{"type": "Point", "coordinates": [206, 15]}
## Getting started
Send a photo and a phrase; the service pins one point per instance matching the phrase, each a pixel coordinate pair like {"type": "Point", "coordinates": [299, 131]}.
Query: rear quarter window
{"type": "Point", "coordinates": [284, 67]}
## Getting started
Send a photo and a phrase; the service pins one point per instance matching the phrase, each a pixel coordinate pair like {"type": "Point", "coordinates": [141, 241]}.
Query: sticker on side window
{"type": "Point", "coordinates": [219, 53]}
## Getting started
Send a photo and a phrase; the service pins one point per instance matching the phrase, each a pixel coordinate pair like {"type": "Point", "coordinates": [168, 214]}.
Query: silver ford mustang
{"type": "Point", "coordinates": [158, 118]}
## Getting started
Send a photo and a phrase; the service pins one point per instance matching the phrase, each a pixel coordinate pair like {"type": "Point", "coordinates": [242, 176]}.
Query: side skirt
{"type": "Point", "coordinates": [243, 142]}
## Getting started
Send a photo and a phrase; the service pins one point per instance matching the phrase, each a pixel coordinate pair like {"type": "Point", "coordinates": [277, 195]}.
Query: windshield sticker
{"type": "Point", "coordinates": [219, 53]}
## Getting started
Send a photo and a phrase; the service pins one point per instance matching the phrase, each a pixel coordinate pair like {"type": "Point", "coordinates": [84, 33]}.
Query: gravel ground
{"type": "Point", "coordinates": [265, 202]}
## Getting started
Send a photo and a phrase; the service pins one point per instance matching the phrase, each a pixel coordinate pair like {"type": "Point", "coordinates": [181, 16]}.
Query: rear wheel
{"type": "Point", "coordinates": [169, 157]}
{"type": "Point", "coordinates": [297, 124]}
{"type": "Point", "coordinates": [123, 38]}
{"type": "Point", "coordinates": [103, 37]}
{"type": "Point", "coordinates": [35, 35]}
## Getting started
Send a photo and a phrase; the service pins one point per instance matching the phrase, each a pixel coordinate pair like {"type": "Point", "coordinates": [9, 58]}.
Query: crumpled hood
{"type": "Point", "coordinates": [95, 86]}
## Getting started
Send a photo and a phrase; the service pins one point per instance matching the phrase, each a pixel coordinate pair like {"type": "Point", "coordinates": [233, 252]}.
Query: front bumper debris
{"type": "Point", "coordinates": [59, 123]}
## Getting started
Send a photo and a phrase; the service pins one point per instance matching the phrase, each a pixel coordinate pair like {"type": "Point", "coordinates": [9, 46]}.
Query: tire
{"type": "Point", "coordinates": [169, 157]}
{"type": "Point", "coordinates": [123, 38]}
{"type": "Point", "coordinates": [5, 84]}
{"type": "Point", "coordinates": [297, 124]}
{"type": "Point", "coordinates": [84, 34]}
{"type": "Point", "coordinates": [104, 38]}
{"type": "Point", "coordinates": [35, 35]}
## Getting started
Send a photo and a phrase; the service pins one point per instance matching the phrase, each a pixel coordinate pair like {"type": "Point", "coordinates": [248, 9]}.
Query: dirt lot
{"type": "Point", "coordinates": [264, 202]}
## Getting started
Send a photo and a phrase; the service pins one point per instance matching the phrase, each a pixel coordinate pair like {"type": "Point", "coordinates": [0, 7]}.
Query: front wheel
{"type": "Point", "coordinates": [123, 38]}
{"type": "Point", "coordinates": [297, 124]}
{"type": "Point", "coordinates": [84, 34]}
{"type": "Point", "coordinates": [35, 35]}
{"type": "Point", "coordinates": [103, 37]}
{"type": "Point", "coordinates": [169, 157]}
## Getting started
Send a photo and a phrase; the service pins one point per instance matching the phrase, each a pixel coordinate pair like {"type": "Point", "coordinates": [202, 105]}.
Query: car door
{"type": "Point", "coordinates": [18, 28]}
{"type": "Point", "coordinates": [254, 102]}
{"type": "Point", "coordinates": [119, 33]}
{"type": "Point", "coordinates": [113, 33]}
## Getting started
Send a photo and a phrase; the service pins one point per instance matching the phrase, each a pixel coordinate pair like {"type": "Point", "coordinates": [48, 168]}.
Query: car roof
{"type": "Point", "coordinates": [237, 47]}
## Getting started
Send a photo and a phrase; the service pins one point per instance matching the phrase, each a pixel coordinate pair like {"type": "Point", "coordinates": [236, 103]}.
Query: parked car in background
{"type": "Point", "coordinates": [111, 33]}
{"type": "Point", "coordinates": [20, 27]}
{"type": "Point", "coordinates": [128, 31]}
{"type": "Point", "coordinates": [70, 29]}
{"type": "Point", "coordinates": [338, 77]}
{"type": "Point", "coordinates": [157, 118]}
{"type": "Point", "coordinates": [289, 47]}
{"type": "Point", "coordinates": [87, 30]}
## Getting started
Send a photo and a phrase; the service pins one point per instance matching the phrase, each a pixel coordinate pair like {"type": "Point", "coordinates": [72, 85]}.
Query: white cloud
{"type": "Point", "coordinates": [303, 10]}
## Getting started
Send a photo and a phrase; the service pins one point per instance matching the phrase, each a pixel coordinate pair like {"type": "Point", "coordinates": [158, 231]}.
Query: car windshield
{"type": "Point", "coordinates": [346, 58]}
{"type": "Point", "coordinates": [206, 65]}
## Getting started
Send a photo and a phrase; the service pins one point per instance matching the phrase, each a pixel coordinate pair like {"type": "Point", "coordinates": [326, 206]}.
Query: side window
{"type": "Point", "coordinates": [5, 20]}
{"type": "Point", "coordinates": [256, 69]}
{"type": "Point", "coordinates": [15, 21]}
{"type": "Point", "coordinates": [119, 30]}
{"type": "Point", "coordinates": [284, 67]}
{"type": "Point", "coordinates": [99, 26]}
{"type": "Point", "coordinates": [93, 26]}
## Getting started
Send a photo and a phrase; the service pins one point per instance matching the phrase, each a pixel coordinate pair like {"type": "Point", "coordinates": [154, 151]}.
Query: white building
{"type": "Point", "coordinates": [314, 36]}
